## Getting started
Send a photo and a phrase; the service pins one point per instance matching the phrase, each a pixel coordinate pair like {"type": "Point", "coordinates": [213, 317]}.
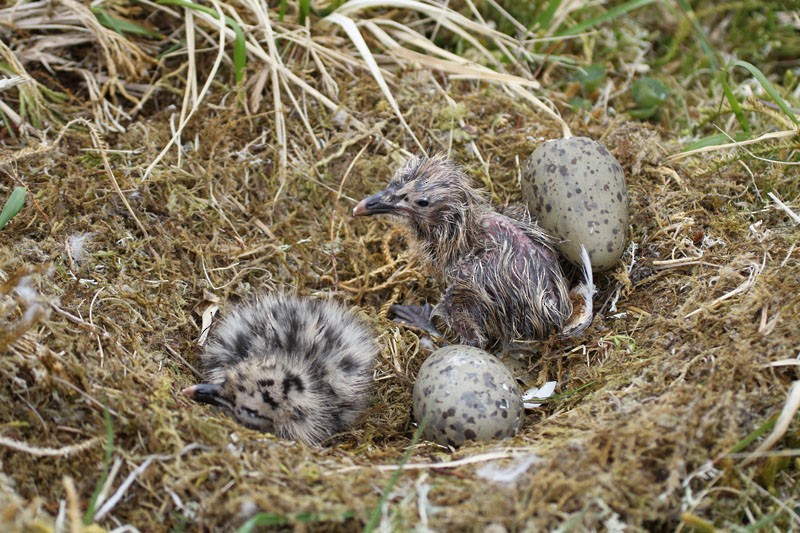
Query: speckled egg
{"type": "Point", "coordinates": [466, 394]}
{"type": "Point", "coordinates": [576, 190]}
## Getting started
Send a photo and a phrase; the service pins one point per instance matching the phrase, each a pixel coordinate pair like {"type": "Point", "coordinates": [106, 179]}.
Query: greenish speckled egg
{"type": "Point", "coordinates": [576, 189]}
{"type": "Point", "coordinates": [466, 394]}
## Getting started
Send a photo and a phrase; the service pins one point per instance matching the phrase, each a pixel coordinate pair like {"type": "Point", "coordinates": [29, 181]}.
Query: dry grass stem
{"type": "Point", "coordinates": [794, 216]}
{"type": "Point", "coordinates": [64, 451]}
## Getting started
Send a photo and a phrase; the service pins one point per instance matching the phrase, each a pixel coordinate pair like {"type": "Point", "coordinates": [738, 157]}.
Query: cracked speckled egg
{"type": "Point", "coordinates": [466, 394]}
{"type": "Point", "coordinates": [576, 190]}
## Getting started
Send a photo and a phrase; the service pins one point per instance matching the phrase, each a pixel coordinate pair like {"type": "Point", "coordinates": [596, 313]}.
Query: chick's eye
{"type": "Point", "coordinates": [422, 202]}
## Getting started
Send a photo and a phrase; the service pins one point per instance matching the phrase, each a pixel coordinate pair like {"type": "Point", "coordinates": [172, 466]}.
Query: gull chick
{"type": "Point", "coordinates": [503, 281]}
{"type": "Point", "coordinates": [300, 368]}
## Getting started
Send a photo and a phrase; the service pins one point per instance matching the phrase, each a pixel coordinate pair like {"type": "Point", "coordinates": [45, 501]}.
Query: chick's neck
{"type": "Point", "coordinates": [455, 234]}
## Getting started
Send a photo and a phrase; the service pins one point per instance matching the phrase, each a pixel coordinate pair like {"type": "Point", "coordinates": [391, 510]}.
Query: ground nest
{"type": "Point", "coordinates": [107, 273]}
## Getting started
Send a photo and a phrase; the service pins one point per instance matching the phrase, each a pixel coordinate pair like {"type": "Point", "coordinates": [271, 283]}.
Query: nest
{"type": "Point", "coordinates": [675, 407]}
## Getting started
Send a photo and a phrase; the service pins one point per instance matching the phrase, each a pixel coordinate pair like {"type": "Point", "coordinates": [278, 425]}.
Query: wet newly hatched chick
{"type": "Point", "coordinates": [502, 276]}
{"type": "Point", "coordinates": [297, 367]}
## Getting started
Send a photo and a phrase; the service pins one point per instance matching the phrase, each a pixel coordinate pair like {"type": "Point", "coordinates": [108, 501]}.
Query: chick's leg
{"type": "Point", "coordinates": [416, 316]}
{"type": "Point", "coordinates": [463, 316]}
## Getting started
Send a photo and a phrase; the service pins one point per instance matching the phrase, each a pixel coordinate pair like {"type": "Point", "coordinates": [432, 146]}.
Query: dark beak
{"type": "Point", "coordinates": [206, 393]}
{"type": "Point", "coordinates": [382, 202]}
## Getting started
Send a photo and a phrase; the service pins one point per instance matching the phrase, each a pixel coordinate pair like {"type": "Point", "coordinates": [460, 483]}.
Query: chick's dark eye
{"type": "Point", "coordinates": [423, 202]}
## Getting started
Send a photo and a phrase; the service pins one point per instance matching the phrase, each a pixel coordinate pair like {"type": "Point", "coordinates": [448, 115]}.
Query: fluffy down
{"type": "Point", "coordinates": [297, 367]}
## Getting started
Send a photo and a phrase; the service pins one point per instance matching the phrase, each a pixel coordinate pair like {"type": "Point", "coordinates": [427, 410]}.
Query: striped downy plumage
{"type": "Point", "coordinates": [502, 278]}
{"type": "Point", "coordinates": [300, 368]}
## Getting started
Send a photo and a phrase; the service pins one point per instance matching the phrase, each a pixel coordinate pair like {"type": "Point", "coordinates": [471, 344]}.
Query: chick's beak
{"type": "Point", "coordinates": [206, 393]}
{"type": "Point", "coordinates": [382, 202]}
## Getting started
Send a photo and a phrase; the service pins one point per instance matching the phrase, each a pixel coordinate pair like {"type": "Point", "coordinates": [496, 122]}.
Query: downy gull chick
{"type": "Point", "coordinates": [502, 275]}
{"type": "Point", "coordinates": [300, 368]}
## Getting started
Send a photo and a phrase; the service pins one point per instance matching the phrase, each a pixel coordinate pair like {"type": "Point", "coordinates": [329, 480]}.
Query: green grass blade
{"type": "Point", "coordinates": [13, 205]}
{"type": "Point", "coordinates": [701, 34]}
{"type": "Point", "coordinates": [191, 5]}
{"type": "Point", "coordinates": [546, 16]}
{"type": "Point", "coordinates": [755, 434]}
{"type": "Point", "coordinates": [375, 516]}
{"type": "Point", "coordinates": [568, 393]}
{"type": "Point", "coordinates": [758, 75]}
{"type": "Point", "coordinates": [7, 123]}
{"type": "Point", "coordinates": [239, 44]}
{"type": "Point", "coordinates": [239, 50]}
{"type": "Point", "coordinates": [734, 103]}
{"type": "Point", "coordinates": [762, 523]}
{"type": "Point", "coordinates": [88, 516]}
{"type": "Point", "coordinates": [305, 9]}
{"type": "Point", "coordinates": [716, 139]}
{"type": "Point", "coordinates": [327, 10]}
{"type": "Point", "coordinates": [122, 26]}
{"type": "Point", "coordinates": [174, 48]}
{"type": "Point", "coordinates": [608, 15]}
{"type": "Point", "coordinates": [263, 520]}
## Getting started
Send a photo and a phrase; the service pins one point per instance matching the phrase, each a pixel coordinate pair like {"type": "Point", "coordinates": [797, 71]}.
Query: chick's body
{"type": "Point", "coordinates": [299, 368]}
{"type": "Point", "coordinates": [502, 276]}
